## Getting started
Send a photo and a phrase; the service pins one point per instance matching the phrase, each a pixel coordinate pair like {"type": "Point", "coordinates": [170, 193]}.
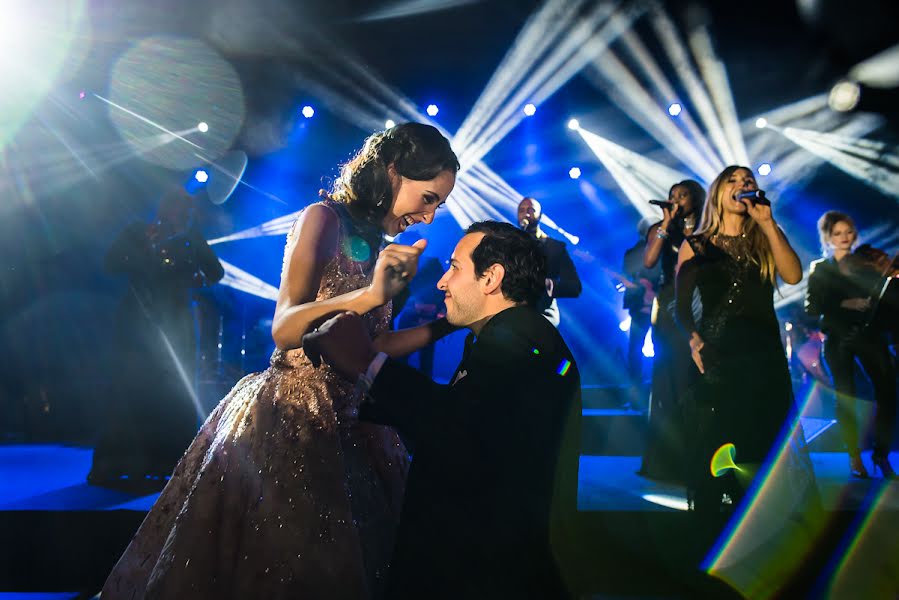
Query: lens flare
{"type": "Point", "coordinates": [723, 460]}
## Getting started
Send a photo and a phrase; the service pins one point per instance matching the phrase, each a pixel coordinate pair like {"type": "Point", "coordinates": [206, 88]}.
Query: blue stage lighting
{"type": "Point", "coordinates": [529, 109]}
{"type": "Point", "coordinates": [674, 109]}
{"type": "Point", "coordinates": [433, 110]}
{"type": "Point", "coordinates": [574, 172]}
{"type": "Point", "coordinates": [308, 112]}
{"type": "Point", "coordinates": [201, 176]}
{"type": "Point", "coordinates": [574, 125]}
{"type": "Point", "coordinates": [390, 123]}
{"type": "Point", "coordinates": [764, 169]}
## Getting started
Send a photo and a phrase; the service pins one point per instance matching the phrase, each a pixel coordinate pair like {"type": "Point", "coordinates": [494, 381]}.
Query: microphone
{"type": "Point", "coordinates": [524, 223]}
{"type": "Point", "coordinates": [755, 196]}
{"type": "Point", "coordinates": [662, 204]}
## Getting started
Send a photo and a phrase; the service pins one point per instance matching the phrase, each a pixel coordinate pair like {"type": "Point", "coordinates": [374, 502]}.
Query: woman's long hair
{"type": "Point", "coordinates": [713, 221]}
{"type": "Point", "coordinates": [417, 151]}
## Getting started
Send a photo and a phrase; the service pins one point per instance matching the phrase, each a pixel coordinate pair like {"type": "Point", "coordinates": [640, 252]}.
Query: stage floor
{"type": "Point", "coordinates": [53, 478]}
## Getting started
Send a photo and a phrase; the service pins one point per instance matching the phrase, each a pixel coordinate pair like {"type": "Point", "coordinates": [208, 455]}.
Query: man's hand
{"type": "Point", "coordinates": [343, 343]}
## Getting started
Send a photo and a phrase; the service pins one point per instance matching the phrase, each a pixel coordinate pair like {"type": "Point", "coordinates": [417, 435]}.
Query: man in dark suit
{"type": "Point", "coordinates": [562, 280]}
{"type": "Point", "coordinates": [493, 483]}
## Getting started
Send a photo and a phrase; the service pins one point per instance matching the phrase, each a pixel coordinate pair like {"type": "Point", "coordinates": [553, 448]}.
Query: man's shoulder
{"type": "Point", "coordinates": [522, 331]}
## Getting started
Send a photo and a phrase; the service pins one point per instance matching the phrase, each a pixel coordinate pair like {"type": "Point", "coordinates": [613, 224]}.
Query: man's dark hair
{"type": "Point", "coordinates": [520, 255]}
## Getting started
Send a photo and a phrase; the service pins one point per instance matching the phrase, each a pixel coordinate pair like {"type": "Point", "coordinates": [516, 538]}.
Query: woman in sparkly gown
{"type": "Point", "coordinates": [744, 394]}
{"type": "Point", "coordinates": [284, 493]}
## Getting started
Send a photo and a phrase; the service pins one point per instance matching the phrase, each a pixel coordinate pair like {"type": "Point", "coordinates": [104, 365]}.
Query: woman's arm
{"type": "Point", "coordinates": [296, 308]}
{"type": "Point", "coordinates": [403, 342]}
{"type": "Point", "coordinates": [654, 245]}
{"type": "Point", "coordinates": [785, 259]}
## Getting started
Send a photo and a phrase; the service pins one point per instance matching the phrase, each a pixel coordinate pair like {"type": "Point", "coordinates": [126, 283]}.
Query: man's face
{"type": "Point", "coordinates": [529, 209]}
{"type": "Point", "coordinates": [464, 299]}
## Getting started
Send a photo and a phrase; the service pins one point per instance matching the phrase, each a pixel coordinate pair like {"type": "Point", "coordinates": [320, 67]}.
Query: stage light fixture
{"type": "Point", "coordinates": [203, 127]}
{"type": "Point", "coordinates": [574, 125]}
{"type": "Point", "coordinates": [389, 124]}
{"type": "Point", "coordinates": [432, 110]}
{"type": "Point", "coordinates": [574, 172]}
{"type": "Point", "coordinates": [201, 176]}
{"type": "Point", "coordinates": [844, 96]}
{"type": "Point", "coordinates": [674, 109]}
{"type": "Point", "coordinates": [308, 112]}
{"type": "Point", "coordinates": [764, 169]}
{"type": "Point", "coordinates": [529, 109]}
{"type": "Point", "coordinates": [761, 122]}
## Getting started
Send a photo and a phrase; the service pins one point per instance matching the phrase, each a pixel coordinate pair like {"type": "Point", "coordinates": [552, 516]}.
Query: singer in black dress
{"type": "Point", "coordinates": [672, 369]}
{"type": "Point", "coordinates": [744, 394]}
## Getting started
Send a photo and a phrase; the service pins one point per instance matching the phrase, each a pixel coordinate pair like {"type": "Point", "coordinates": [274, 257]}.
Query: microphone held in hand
{"type": "Point", "coordinates": [755, 196]}
{"type": "Point", "coordinates": [662, 204]}
{"type": "Point", "coordinates": [524, 223]}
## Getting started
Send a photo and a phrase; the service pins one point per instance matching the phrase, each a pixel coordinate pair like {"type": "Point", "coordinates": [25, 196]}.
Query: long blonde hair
{"type": "Point", "coordinates": [713, 220]}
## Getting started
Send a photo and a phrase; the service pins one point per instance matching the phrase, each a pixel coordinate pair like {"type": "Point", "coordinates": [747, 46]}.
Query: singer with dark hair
{"type": "Point", "coordinates": [841, 287]}
{"type": "Point", "coordinates": [284, 493]}
{"type": "Point", "coordinates": [744, 394]}
{"type": "Point", "coordinates": [672, 369]}
{"type": "Point", "coordinates": [562, 280]}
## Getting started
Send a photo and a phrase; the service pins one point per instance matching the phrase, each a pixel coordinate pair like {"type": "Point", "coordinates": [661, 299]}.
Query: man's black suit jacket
{"type": "Point", "coordinates": [566, 283]}
{"type": "Point", "coordinates": [495, 464]}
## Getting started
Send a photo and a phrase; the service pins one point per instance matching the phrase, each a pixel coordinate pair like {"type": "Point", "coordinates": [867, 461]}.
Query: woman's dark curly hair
{"type": "Point", "coordinates": [520, 255]}
{"type": "Point", "coordinates": [417, 151]}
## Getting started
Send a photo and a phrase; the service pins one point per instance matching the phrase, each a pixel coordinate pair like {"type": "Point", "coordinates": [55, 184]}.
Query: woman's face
{"type": "Point", "coordinates": [741, 180]}
{"type": "Point", "coordinates": [415, 201]}
{"type": "Point", "coordinates": [680, 195]}
{"type": "Point", "coordinates": [842, 236]}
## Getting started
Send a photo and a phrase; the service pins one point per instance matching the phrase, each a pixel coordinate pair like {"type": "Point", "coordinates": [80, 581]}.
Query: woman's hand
{"type": "Point", "coordinates": [858, 304]}
{"type": "Point", "coordinates": [396, 266]}
{"type": "Point", "coordinates": [760, 213]}
{"type": "Point", "coordinates": [668, 216]}
{"type": "Point", "coordinates": [696, 346]}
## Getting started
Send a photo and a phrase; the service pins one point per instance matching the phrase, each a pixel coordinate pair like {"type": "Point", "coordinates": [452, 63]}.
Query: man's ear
{"type": "Point", "coordinates": [492, 279]}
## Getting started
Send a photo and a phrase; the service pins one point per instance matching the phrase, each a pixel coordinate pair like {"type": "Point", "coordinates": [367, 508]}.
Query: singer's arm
{"type": "Point", "coordinates": [654, 245]}
{"type": "Point", "coordinates": [785, 259]}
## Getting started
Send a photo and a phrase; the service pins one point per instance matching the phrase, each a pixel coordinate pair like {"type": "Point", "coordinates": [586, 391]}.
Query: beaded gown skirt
{"type": "Point", "coordinates": [283, 493]}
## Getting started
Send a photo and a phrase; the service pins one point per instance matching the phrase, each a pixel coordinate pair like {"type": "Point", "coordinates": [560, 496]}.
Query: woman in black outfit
{"type": "Point", "coordinates": [839, 292]}
{"type": "Point", "coordinates": [672, 369]}
{"type": "Point", "coordinates": [744, 394]}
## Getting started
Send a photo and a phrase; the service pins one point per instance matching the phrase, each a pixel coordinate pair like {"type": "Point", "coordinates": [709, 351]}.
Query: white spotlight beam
{"type": "Point", "coordinates": [715, 75]}
{"type": "Point", "coordinates": [640, 178]}
{"type": "Point", "coordinates": [610, 75]}
{"type": "Point", "coordinates": [699, 96]}
{"type": "Point", "coordinates": [581, 45]}
{"type": "Point", "coordinates": [665, 91]}
{"type": "Point", "coordinates": [879, 171]}
{"type": "Point", "coordinates": [881, 70]}
{"type": "Point", "coordinates": [279, 226]}
{"type": "Point", "coordinates": [241, 280]}
{"type": "Point", "coordinates": [538, 33]}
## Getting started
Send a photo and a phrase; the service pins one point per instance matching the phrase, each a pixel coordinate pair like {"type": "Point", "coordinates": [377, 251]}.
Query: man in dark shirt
{"type": "Point", "coordinates": [562, 280]}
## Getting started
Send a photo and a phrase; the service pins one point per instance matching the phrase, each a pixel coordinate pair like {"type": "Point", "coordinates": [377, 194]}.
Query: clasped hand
{"type": "Point", "coordinates": [397, 265]}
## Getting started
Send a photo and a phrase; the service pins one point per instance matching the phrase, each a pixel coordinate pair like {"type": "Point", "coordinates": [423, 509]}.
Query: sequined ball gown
{"type": "Point", "coordinates": [284, 493]}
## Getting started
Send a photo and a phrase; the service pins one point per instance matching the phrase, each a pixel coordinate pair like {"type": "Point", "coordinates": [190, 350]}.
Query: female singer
{"type": "Point", "coordinates": [672, 369]}
{"type": "Point", "coordinates": [744, 394]}
{"type": "Point", "coordinates": [839, 291]}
